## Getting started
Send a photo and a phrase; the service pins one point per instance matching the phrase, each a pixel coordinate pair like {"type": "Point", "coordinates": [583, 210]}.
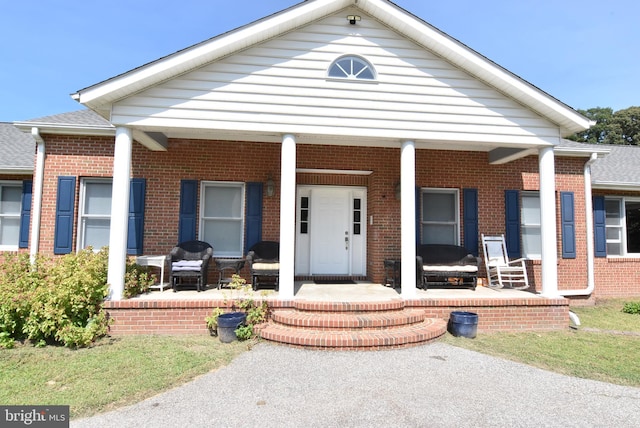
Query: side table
{"type": "Point", "coordinates": [156, 261]}
{"type": "Point", "coordinates": [223, 265]}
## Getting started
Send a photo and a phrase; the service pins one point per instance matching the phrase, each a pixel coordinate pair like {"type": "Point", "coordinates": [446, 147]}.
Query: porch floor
{"type": "Point", "coordinates": [362, 291]}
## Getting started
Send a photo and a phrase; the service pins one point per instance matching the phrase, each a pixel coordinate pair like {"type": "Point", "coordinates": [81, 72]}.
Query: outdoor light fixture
{"type": "Point", "coordinates": [398, 191]}
{"type": "Point", "coordinates": [271, 186]}
{"type": "Point", "coordinates": [353, 19]}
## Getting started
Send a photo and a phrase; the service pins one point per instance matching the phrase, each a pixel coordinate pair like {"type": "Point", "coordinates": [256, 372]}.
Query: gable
{"type": "Point", "coordinates": [281, 86]}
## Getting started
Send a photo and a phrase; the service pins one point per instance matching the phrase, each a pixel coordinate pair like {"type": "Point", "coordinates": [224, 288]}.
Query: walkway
{"type": "Point", "coordinates": [437, 385]}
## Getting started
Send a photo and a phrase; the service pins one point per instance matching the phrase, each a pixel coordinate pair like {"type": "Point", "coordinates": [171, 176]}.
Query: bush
{"type": "Point", "coordinates": [631, 308]}
{"type": "Point", "coordinates": [53, 300]}
{"type": "Point", "coordinates": [137, 279]}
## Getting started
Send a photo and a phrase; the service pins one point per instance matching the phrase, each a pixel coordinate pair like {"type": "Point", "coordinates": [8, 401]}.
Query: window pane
{"type": "Point", "coordinates": [11, 199]}
{"type": "Point", "coordinates": [531, 241]}
{"type": "Point", "coordinates": [97, 199]}
{"type": "Point", "coordinates": [9, 231]}
{"type": "Point", "coordinates": [356, 204]}
{"type": "Point", "coordinates": [530, 210]}
{"type": "Point", "coordinates": [614, 234]}
{"type": "Point", "coordinates": [223, 202]}
{"type": "Point", "coordinates": [613, 249]}
{"type": "Point", "coordinates": [225, 236]}
{"type": "Point", "coordinates": [366, 74]}
{"type": "Point", "coordinates": [439, 234]}
{"type": "Point", "coordinates": [96, 233]}
{"type": "Point", "coordinates": [304, 202]}
{"type": "Point", "coordinates": [632, 211]}
{"type": "Point", "coordinates": [438, 207]}
{"type": "Point", "coordinates": [612, 209]}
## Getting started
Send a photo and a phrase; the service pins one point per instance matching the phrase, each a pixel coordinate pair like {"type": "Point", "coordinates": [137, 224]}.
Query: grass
{"type": "Point", "coordinates": [113, 373]}
{"type": "Point", "coordinates": [604, 348]}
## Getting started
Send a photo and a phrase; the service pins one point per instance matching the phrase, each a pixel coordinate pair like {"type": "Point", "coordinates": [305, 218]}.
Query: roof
{"type": "Point", "coordinates": [100, 96]}
{"type": "Point", "coordinates": [620, 169]}
{"type": "Point", "coordinates": [82, 122]}
{"type": "Point", "coordinates": [17, 150]}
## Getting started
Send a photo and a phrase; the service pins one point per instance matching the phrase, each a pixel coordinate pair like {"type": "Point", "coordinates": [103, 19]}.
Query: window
{"type": "Point", "coordinates": [530, 225]}
{"type": "Point", "coordinates": [622, 226]}
{"type": "Point", "coordinates": [221, 217]}
{"type": "Point", "coordinates": [95, 213]}
{"type": "Point", "coordinates": [304, 215]}
{"type": "Point", "coordinates": [357, 216]}
{"type": "Point", "coordinates": [351, 67]}
{"type": "Point", "coordinates": [10, 206]}
{"type": "Point", "coordinates": [440, 214]}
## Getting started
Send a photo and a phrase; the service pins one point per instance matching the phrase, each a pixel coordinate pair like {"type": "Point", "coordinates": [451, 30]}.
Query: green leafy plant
{"type": "Point", "coordinates": [137, 279]}
{"type": "Point", "coordinates": [243, 299]}
{"type": "Point", "coordinates": [53, 300]}
{"type": "Point", "coordinates": [631, 308]}
{"type": "Point", "coordinates": [212, 320]}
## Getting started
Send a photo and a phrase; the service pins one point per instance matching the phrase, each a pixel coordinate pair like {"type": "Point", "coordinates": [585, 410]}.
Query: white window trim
{"type": "Point", "coordinates": [201, 218]}
{"type": "Point", "coordinates": [82, 216]}
{"type": "Point", "coordinates": [622, 200]}
{"type": "Point", "coordinates": [12, 183]}
{"type": "Point", "coordinates": [352, 78]}
{"type": "Point", "coordinates": [523, 225]}
{"type": "Point", "coordinates": [451, 191]}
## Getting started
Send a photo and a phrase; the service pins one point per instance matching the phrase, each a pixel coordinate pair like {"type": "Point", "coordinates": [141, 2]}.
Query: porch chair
{"type": "Point", "coordinates": [190, 259]}
{"type": "Point", "coordinates": [500, 270]}
{"type": "Point", "coordinates": [264, 263]}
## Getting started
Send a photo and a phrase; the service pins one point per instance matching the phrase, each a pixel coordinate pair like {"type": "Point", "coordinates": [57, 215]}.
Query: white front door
{"type": "Point", "coordinates": [331, 228]}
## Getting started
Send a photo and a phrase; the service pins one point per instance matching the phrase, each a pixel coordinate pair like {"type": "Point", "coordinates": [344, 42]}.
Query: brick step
{"type": "Point", "coordinates": [408, 335]}
{"type": "Point", "coordinates": [314, 306]}
{"type": "Point", "coordinates": [348, 320]}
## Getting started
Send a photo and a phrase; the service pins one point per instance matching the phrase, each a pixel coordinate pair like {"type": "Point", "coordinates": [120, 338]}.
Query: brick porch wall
{"type": "Point", "coordinates": [247, 161]}
{"type": "Point", "coordinates": [187, 317]}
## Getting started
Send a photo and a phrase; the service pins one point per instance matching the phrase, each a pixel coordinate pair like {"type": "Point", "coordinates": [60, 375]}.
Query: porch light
{"type": "Point", "coordinates": [271, 187]}
{"type": "Point", "coordinates": [398, 191]}
{"type": "Point", "coordinates": [353, 19]}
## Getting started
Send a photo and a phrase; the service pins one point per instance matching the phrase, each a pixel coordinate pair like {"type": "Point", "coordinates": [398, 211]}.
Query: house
{"type": "Point", "coordinates": [345, 130]}
{"type": "Point", "coordinates": [16, 170]}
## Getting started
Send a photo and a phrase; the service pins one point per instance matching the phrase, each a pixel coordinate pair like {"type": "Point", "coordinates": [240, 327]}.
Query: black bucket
{"type": "Point", "coordinates": [463, 324]}
{"type": "Point", "coordinates": [227, 324]}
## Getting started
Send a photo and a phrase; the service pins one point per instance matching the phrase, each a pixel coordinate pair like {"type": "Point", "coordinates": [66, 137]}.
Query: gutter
{"type": "Point", "coordinates": [36, 209]}
{"type": "Point", "coordinates": [589, 217]}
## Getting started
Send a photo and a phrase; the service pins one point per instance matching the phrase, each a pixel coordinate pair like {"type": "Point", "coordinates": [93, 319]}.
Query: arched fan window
{"type": "Point", "coordinates": [352, 67]}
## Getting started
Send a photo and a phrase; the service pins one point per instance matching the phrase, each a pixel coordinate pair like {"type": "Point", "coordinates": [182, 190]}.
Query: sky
{"type": "Point", "coordinates": [586, 53]}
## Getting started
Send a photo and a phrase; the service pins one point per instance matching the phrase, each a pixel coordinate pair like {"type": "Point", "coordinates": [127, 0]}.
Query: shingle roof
{"type": "Point", "coordinates": [17, 149]}
{"type": "Point", "coordinates": [84, 117]}
{"type": "Point", "coordinates": [621, 166]}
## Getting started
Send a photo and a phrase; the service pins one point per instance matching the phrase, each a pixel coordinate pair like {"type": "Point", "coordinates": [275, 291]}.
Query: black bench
{"type": "Point", "coordinates": [446, 266]}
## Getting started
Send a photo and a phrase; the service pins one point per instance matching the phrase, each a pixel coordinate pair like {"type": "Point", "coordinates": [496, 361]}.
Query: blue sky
{"type": "Point", "coordinates": [583, 52]}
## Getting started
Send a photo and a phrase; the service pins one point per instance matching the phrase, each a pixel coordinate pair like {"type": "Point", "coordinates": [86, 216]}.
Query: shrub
{"type": "Point", "coordinates": [53, 300]}
{"type": "Point", "coordinates": [631, 308]}
{"type": "Point", "coordinates": [137, 279]}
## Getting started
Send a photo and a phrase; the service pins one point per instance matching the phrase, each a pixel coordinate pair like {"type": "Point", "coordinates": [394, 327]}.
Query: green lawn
{"type": "Point", "coordinates": [605, 347]}
{"type": "Point", "coordinates": [115, 372]}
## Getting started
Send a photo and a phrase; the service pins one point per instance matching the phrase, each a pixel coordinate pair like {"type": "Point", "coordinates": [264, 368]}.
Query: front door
{"type": "Point", "coordinates": [330, 232]}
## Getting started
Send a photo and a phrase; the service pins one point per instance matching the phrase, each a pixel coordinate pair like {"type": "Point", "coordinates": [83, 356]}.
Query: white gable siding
{"type": "Point", "coordinates": [281, 86]}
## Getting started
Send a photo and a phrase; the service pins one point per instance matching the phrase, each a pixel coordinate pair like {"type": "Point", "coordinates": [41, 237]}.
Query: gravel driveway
{"type": "Point", "coordinates": [435, 385]}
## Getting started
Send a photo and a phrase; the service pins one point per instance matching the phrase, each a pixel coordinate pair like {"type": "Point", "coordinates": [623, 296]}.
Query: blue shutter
{"type": "Point", "coordinates": [65, 203]}
{"type": "Point", "coordinates": [188, 206]}
{"type": "Point", "coordinates": [512, 222]}
{"type": "Point", "coordinates": [470, 220]}
{"type": "Point", "coordinates": [25, 213]}
{"type": "Point", "coordinates": [418, 217]}
{"type": "Point", "coordinates": [135, 234]}
{"type": "Point", "coordinates": [599, 227]}
{"type": "Point", "coordinates": [568, 225]}
{"type": "Point", "coordinates": [254, 215]}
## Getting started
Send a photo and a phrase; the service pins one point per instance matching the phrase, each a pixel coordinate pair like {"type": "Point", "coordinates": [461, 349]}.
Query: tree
{"type": "Point", "coordinates": [621, 127]}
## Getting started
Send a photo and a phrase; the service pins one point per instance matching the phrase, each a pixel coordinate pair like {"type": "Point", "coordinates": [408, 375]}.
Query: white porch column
{"type": "Point", "coordinates": [548, 222]}
{"type": "Point", "coordinates": [119, 212]}
{"type": "Point", "coordinates": [38, 181]}
{"type": "Point", "coordinates": [287, 216]}
{"type": "Point", "coordinates": [408, 218]}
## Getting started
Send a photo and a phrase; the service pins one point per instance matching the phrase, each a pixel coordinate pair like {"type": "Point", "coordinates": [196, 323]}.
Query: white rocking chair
{"type": "Point", "coordinates": [501, 271]}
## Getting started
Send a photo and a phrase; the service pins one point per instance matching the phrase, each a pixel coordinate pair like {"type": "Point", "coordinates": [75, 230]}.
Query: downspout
{"type": "Point", "coordinates": [36, 209]}
{"type": "Point", "coordinates": [589, 218]}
